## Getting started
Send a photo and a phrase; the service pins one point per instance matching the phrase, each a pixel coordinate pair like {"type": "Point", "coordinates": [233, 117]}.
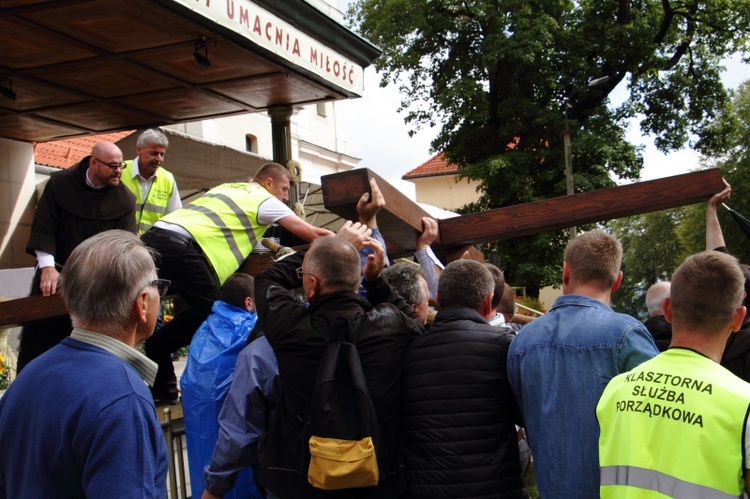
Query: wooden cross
{"type": "Point", "coordinates": [401, 220]}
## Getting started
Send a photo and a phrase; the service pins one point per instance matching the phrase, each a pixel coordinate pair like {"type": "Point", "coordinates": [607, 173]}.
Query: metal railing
{"type": "Point", "coordinates": [174, 434]}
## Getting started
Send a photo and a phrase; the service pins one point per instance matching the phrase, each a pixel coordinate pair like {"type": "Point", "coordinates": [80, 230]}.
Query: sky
{"type": "Point", "coordinates": [375, 132]}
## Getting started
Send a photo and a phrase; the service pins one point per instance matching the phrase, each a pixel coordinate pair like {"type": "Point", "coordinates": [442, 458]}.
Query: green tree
{"type": "Point", "coordinates": [651, 252]}
{"type": "Point", "coordinates": [733, 125]}
{"type": "Point", "coordinates": [656, 243]}
{"type": "Point", "coordinates": [497, 75]}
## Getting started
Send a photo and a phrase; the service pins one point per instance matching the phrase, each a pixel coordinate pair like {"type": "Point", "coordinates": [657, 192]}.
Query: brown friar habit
{"type": "Point", "coordinates": [70, 211]}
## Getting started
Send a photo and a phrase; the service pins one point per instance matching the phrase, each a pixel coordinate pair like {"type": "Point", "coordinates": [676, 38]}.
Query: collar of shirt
{"type": "Point", "coordinates": [137, 171]}
{"type": "Point", "coordinates": [146, 367]}
{"type": "Point", "coordinates": [498, 320]}
{"type": "Point", "coordinates": [90, 183]}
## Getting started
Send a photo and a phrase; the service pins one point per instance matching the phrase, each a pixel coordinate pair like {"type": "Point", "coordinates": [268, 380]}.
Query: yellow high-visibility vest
{"type": "Point", "coordinates": [153, 208]}
{"type": "Point", "coordinates": [673, 427]}
{"type": "Point", "coordinates": [224, 222]}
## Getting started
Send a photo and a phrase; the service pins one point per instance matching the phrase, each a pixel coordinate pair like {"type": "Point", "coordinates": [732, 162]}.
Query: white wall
{"type": "Point", "coordinates": [16, 202]}
{"type": "Point", "coordinates": [445, 192]}
{"type": "Point", "coordinates": [317, 142]}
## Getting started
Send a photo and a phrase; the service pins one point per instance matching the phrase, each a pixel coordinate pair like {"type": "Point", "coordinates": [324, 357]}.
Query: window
{"type": "Point", "coordinates": [251, 143]}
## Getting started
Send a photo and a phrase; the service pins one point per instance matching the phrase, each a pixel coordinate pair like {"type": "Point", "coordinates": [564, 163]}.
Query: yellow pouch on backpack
{"type": "Point", "coordinates": [342, 464]}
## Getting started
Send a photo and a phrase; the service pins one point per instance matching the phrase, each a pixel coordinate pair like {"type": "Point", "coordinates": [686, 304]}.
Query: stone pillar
{"type": "Point", "coordinates": [281, 133]}
{"type": "Point", "coordinates": [281, 136]}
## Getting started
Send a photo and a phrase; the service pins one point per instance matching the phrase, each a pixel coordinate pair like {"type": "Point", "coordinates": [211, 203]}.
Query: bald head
{"type": "Point", "coordinates": [102, 149]}
{"type": "Point", "coordinates": [105, 165]}
{"type": "Point", "coordinates": [655, 298]}
{"type": "Point", "coordinates": [331, 265]}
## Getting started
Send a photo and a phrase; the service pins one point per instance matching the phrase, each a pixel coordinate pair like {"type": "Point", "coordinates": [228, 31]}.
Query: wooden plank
{"type": "Point", "coordinates": [399, 222]}
{"type": "Point", "coordinates": [587, 207]}
{"type": "Point", "coordinates": [23, 310]}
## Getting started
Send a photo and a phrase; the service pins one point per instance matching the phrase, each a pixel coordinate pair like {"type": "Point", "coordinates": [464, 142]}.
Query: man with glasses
{"type": "Point", "coordinates": [77, 203]}
{"type": "Point", "coordinates": [80, 420]}
{"type": "Point", "coordinates": [155, 189]}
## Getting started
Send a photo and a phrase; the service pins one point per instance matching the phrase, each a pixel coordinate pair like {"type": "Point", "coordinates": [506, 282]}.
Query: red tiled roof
{"type": "Point", "coordinates": [436, 165]}
{"type": "Point", "coordinates": [69, 152]}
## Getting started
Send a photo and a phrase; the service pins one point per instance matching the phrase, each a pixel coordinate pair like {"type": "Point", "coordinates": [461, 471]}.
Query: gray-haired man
{"type": "Point", "coordinates": [80, 419]}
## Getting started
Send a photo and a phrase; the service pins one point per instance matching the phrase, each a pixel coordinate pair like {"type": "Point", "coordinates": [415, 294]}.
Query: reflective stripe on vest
{"type": "Point", "coordinates": [155, 205]}
{"type": "Point", "coordinates": [643, 478]}
{"type": "Point", "coordinates": [673, 426]}
{"type": "Point", "coordinates": [226, 231]}
{"type": "Point", "coordinates": [224, 223]}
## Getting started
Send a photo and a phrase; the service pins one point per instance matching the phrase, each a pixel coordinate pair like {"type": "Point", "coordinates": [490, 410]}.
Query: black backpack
{"type": "Point", "coordinates": [344, 435]}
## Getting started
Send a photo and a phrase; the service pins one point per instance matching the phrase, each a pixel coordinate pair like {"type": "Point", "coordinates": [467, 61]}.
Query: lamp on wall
{"type": "Point", "coordinates": [6, 87]}
{"type": "Point", "coordinates": [201, 53]}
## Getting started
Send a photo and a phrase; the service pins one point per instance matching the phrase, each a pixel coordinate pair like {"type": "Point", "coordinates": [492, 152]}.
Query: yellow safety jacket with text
{"type": "Point", "coordinates": [224, 223]}
{"type": "Point", "coordinates": [154, 207]}
{"type": "Point", "coordinates": [673, 427]}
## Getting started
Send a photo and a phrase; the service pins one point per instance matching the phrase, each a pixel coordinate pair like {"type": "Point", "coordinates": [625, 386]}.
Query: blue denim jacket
{"type": "Point", "coordinates": [558, 366]}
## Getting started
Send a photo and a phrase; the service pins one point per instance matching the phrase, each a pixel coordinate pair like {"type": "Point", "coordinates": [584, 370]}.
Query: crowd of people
{"type": "Point", "coordinates": [462, 398]}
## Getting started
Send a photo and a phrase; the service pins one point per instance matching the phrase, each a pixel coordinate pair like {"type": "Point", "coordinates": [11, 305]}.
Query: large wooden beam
{"type": "Point", "coordinates": [399, 221]}
{"type": "Point", "coordinates": [23, 310]}
{"type": "Point", "coordinates": [587, 207]}
{"type": "Point", "coordinates": [402, 219]}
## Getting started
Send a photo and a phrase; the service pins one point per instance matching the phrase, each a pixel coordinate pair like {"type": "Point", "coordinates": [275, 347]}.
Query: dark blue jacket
{"type": "Point", "coordinates": [459, 412]}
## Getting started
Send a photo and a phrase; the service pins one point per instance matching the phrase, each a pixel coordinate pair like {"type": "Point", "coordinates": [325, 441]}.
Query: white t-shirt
{"type": "Point", "coordinates": [272, 210]}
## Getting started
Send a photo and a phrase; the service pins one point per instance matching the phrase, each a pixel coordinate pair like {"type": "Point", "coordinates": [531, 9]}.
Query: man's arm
{"type": "Point", "coordinates": [356, 233]}
{"type": "Point", "coordinates": [49, 274]}
{"type": "Point", "coordinates": [714, 236]}
{"type": "Point", "coordinates": [174, 202]}
{"type": "Point", "coordinates": [430, 264]}
{"type": "Point", "coordinates": [126, 456]}
{"type": "Point", "coordinates": [274, 211]}
{"type": "Point", "coordinates": [242, 420]}
{"type": "Point", "coordinates": [370, 204]}
{"type": "Point", "coordinates": [301, 228]}
{"type": "Point", "coordinates": [378, 290]}
{"type": "Point", "coordinates": [368, 207]}
{"type": "Point", "coordinates": [42, 242]}
{"type": "Point", "coordinates": [638, 347]}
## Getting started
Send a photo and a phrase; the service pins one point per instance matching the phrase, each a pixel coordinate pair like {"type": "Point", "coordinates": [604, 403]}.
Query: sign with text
{"type": "Point", "coordinates": [276, 35]}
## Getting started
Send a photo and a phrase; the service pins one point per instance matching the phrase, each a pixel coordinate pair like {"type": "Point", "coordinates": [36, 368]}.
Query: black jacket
{"type": "Point", "coordinates": [459, 411]}
{"type": "Point", "coordinates": [291, 331]}
{"type": "Point", "coordinates": [661, 330]}
{"type": "Point", "coordinates": [736, 355]}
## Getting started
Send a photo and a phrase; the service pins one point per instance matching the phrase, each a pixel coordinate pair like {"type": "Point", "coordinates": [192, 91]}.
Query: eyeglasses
{"type": "Point", "coordinates": [113, 166]}
{"type": "Point", "coordinates": [162, 285]}
{"type": "Point", "coordinates": [301, 274]}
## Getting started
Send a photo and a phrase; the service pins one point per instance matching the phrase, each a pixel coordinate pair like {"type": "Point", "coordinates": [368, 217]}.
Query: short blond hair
{"type": "Point", "coordinates": [594, 258]}
{"type": "Point", "coordinates": [273, 171]}
{"type": "Point", "coordinates": [706, 291]}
